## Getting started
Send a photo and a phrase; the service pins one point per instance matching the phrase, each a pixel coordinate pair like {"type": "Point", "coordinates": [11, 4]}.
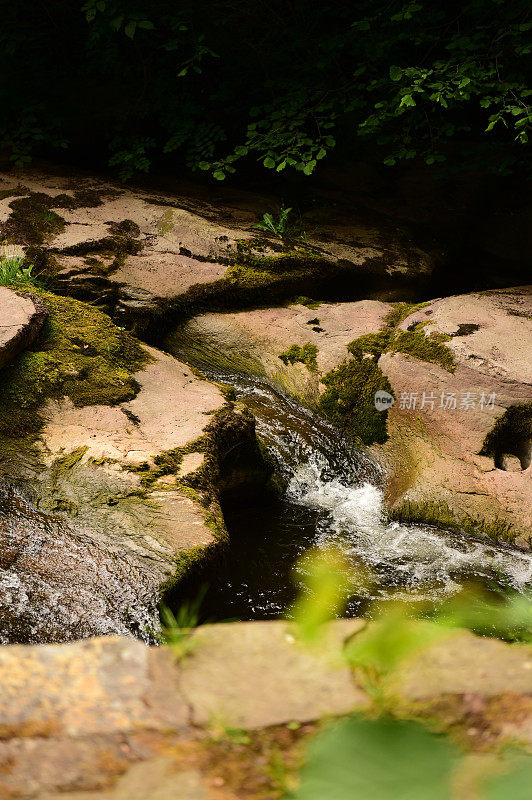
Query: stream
{"type": "Point", "coordinates": [59, 581]}
{"type": "Point", "coordinates": [334, 496]}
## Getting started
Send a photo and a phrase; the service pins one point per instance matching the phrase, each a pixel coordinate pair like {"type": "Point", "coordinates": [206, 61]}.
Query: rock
{"type": "Point", "coordinates": [510, 463]}
{"type": "Point", "coordinates": [134, 252]}
{"type": "Point", "coordinates": [463, 663]}
{"type": "Point", "coordinates": [21, 319]}
{"type": "Point", "coordinates": [88, 537]}
{"type": "Point", "coordinates": [158, 779]}
{"type": "Point", "coordinates": [110, 718]}
{"type": "Point", "coordinates": [95, 687]}
{"type": "Point", "coordinates": [222, 676]}
{"type": "Point", "coordinates": [252, 341]}
{"type": "Point", "coordinates": [433, 453]}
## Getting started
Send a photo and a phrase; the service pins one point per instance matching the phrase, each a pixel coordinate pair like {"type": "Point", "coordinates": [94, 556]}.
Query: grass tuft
{"type": "Point", "coordinates": [14, 274]}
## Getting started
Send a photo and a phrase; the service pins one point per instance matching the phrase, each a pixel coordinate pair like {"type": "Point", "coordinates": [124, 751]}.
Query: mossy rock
{"type": "Point", "coordinates": [441, 515]}
{"type": "Point", "coordinates": [79, 354]}
{"type": "Point", "coordinates": [349, 399]}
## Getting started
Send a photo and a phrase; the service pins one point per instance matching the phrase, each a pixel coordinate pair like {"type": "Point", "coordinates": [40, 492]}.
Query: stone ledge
{"type": "Point", "coordinates": [21, 319]}
{"type": "Point", "coordinates": [247, 674]}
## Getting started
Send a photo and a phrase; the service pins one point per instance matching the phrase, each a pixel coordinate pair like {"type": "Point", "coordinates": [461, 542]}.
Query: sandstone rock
{"type": "Point", "coordinates": [21, 319]}
{"type": "Point", "coordinates": [111, 718]}
{"type": "Point", "coordinates": [89, 549]}
{"type": "Point", "coordinates": [433, 452]}
{"type": "Point", "coordinates": [230, 677]}
{"type": "Point", "coordinates": [252, 341]}
{"type": "Point", "coordinates": [129, 251]}
{"type": "Point", "coordinates": [158, 779]}
{"type": "Point", "coordinates": [510, 463]}
{"type": "Point", "coordinates": [465, 663]}
{"type": "Point", "coordinates": [436, 451]}
{"type": "Point", "coordinates": [98, 686]}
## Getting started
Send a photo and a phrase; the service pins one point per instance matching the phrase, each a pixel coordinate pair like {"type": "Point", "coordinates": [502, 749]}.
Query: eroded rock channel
{"type": "Point", "coordinates": [131, 473]}
{"type": "Point", "coordinates": [332, 493]}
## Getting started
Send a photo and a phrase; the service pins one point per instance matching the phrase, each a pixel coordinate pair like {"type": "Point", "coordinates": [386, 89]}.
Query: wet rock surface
{"type": "Point", "coordinates": [86, 545]}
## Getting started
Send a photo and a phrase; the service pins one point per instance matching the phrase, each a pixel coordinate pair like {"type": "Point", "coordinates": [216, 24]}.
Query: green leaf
{"type": "Point", "coordinates": [384, 759]}
{"type": "Point", "coordinates": [146, 24]}
{"type": "Point", "coordinates": [514, 784]}
{"type": "Point", "coordinates": [241, 150]}
{"type": "Point", "coordinates": [130, 28]}
{"type": "Point", "coordinates": [385, 643]}
{"type": "Point", "coordinates": [116, 23]}
{"type": "Point", "coordinates": [269, 163]}
{"type": "Point", "coordinates": [396, 73]}
{"type": "Point", "coordinates": [324, 575]}
{"type": "Point", "coordinates": [219, 174]}
{"type": "Point", "coordinates": [321, 153]}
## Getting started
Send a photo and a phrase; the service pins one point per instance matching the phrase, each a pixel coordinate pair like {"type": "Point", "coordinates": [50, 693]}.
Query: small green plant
{"type": "Point", "coordinates": [323, 574]}
{"type": "Point", "coordinates": [281, 226]}
{"type": "Point", "coordinates": [14, 273]}
{"type": "Point", "coordinates": [381, 756]}
{"type": "Point", "coordinates": [178, 627]}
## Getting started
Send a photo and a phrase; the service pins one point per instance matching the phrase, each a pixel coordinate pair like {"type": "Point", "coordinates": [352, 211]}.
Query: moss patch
{"type": "Point", "coordinates": [349, 399]}
{"type": "Point", "coordinates": [414, 342]}
{"type": "Point", "coordinates": [306, 355]}
{"type": "Point", "coordinates": [79, 354]}
{"type": "Point", "coordinates": [426, 348]}
{"type": "Point", "coordinates": [253, 279]}
{"type": "Point", "coordinates": [32, 220]}
{"type": "Point", "coordinates": [441, 515]}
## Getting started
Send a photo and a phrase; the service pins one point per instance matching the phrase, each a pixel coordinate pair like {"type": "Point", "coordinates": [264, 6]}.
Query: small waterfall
{"type": "Point", "coordinates": [334, 495]}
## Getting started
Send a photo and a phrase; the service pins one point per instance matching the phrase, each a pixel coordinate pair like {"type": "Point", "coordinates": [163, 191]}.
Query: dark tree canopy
{"type": "Point", "coordinates": [217, 84]}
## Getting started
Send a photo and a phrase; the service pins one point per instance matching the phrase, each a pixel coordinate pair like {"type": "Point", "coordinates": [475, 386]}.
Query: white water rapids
{"type": "Point", "coordinates": [410, 556]}
{"type": "Point", "coordinates": [343, 485]}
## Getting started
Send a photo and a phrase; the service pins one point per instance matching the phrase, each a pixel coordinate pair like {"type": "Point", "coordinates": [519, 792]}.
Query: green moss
{"type": "Point", "coordinates": [307, 301]}
{"type": "Point", "coordinates": [253, 279]}
{"type": "Point", "coordinates": [32, 220]}
{"type": "Point", "coordinates": [79, 354]}
{"type": "Point", "coordinates": [349, 399]}
{"type": "Point", "coordinates": [401, 311]}
{"type": "Point", "coordinates": [373, 344]}
{"type": "Point", "coordinates": [65, 463]}
{"type": "Point", "coordinates": [166, 463]}
{"type": "Point", "coordinates": [426, 348]}
{"type": "Point", "coordinates": [304, 355]}
{"type": "Point", "coordinates": [413, 343]}
{"type": "Point", "coordinates": [441, 515]}
{"type": "Point", "coordinates": [17, 191]}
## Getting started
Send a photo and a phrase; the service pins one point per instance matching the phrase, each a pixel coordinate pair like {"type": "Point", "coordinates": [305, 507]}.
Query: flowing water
{"type": "Point", "coordinates": [60, 582]}
{"type": "Point", "coordinates": [334, 496]}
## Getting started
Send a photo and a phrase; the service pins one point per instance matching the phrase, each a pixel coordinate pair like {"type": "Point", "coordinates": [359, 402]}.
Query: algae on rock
{"type": "Point", "coordinates": [79, 354]}
{"type": "Point", "coordinates": [303, 355]}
